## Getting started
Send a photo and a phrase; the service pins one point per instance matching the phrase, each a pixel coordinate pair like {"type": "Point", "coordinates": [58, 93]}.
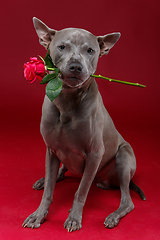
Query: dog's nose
{"type": "Point", "coordinates": [75, 67]}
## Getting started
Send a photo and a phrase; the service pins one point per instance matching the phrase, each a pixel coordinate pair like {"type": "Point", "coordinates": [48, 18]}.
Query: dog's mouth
{"type": "Point", "coordinates": [72, 82]}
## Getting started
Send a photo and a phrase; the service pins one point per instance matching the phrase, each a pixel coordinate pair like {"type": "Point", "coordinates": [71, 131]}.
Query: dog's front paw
{"type": "Point", "coordinates": [34, 220]}
{"type": "Point", "coordinates": [72, 224]}
{"type": "Point", "coordinates": [112, 220]}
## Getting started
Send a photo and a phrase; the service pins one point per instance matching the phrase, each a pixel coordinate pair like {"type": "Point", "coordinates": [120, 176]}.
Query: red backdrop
{"type": "Point", "coordinates": [135, 112]}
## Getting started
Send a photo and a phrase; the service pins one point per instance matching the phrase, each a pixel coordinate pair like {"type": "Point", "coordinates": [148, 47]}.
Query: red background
{"type": "Point", "coordinates": [135, 112]}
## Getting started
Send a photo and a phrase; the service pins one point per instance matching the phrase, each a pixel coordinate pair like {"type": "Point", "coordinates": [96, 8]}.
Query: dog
{"type": "Point", "coordinates": [77, 129]}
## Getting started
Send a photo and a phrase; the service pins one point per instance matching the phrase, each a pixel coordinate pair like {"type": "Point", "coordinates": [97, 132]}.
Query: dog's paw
{"type": "Point", "coordinates": [39, 184]}
{"type": "Point", "coordinates": [72, 224]}
{"type": "Point", "coordinates": [34, 220]}
{"type": "Point", "coordinates": [112, 220]}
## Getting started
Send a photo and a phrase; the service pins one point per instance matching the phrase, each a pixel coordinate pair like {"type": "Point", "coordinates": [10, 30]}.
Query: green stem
{"type": "Point", "coordinates": [50, 69]}
{"type": "Point", "coordinates": [109, 79]}
{"type": "Point", "coordinates": [119, 81]}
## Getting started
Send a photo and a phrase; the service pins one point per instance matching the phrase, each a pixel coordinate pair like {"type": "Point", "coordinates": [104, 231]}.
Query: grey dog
{"type": "Point", "coordinates": [78, 130]}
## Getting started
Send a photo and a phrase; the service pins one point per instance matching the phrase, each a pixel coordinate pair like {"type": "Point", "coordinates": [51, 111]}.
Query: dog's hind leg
{"type": "Point", "coordinates": [125, 168]}
{"type": "Point", "coordinates": [38, 185]}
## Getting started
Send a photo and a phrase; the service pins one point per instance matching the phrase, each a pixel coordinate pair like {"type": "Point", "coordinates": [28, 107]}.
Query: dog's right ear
{"type": "Point", "coordinates": [44, 33]}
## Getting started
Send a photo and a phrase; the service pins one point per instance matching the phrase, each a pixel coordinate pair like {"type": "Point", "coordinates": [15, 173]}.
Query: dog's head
{"type": "Point", "coordinates": [74, 51]}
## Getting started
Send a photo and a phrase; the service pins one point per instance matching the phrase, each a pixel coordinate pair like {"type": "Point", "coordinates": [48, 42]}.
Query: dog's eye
{"type": "Point", "coordinates": [61, 47]}
{"type": "Point", "coordinates": [90, 50]}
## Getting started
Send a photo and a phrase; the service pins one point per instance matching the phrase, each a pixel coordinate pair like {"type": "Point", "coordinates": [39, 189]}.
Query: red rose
{"type": "Point", "coordinates": [34, 70]}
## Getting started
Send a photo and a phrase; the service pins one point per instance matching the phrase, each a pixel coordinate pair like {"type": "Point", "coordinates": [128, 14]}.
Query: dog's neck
{"type": "Point", "coordinates": [70, 98]}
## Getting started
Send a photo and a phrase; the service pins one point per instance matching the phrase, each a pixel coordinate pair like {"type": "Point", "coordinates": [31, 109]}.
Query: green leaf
{"type": "Point", "coordinates": [48, 60]}
{"type": "Point", "coordinates": [54, 88]}
{"type": "Point", "coordinates": [48, 78]}
{"type": "Point", "coordinates": [56, 71]}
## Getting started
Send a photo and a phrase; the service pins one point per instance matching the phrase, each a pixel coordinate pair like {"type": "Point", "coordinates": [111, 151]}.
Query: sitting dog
{"type": "Point", "coordinates": [78, 130]}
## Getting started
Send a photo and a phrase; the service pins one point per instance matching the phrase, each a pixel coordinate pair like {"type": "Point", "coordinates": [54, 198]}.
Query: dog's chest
{"type": "Point", "coordinates": [69, 140]}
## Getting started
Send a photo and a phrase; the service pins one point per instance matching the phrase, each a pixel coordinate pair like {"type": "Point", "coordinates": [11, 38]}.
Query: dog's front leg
{"type": "Point", "coordinates": [74, 220]}
{"type": "Point", "coordinates": [51, 172]}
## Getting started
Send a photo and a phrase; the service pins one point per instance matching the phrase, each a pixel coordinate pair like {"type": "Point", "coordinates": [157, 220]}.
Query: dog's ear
{"type": "Point", "coordinates": [44, 33]}
{"type": "Point", "coordinates": [106, 42]}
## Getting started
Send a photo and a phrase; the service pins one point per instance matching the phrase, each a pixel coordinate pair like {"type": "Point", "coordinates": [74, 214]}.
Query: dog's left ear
{"type": "Point", "coordinates": [106, 42]}
{"type": "Point", "coordinates": [44, 33]}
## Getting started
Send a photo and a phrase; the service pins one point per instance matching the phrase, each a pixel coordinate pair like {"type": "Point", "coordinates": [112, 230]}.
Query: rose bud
{"type": "Point", "coordinates": [34, 69]}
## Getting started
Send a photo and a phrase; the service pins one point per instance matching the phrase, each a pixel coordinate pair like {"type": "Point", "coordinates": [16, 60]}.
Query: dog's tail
{"type": "Point", "coordinates": [135, 188]}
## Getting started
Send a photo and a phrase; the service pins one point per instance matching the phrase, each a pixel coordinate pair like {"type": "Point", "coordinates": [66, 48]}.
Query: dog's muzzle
{"type": "Point", "coordinates": [74, 74]}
